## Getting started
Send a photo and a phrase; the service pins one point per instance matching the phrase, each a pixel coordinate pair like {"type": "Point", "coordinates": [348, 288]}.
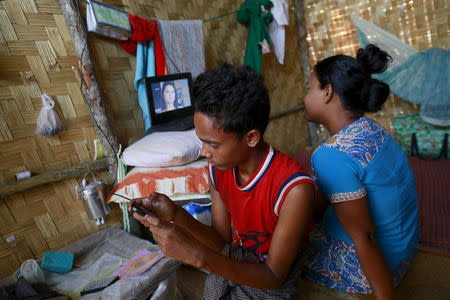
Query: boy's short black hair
{"type": "Point", "coordinates": [234, 97]}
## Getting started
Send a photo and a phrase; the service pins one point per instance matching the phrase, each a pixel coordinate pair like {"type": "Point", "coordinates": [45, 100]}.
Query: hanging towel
{"type": "Point", "coordinates": [256, 14]}
{"type": "Point", "coordinates": [277, 33]}
{"type": "Point", "coordinates": [145, 67]}
{"type": "Point", "coordinates": [183, 46]}
{"type": "Point", "coordinates": [144, 31]}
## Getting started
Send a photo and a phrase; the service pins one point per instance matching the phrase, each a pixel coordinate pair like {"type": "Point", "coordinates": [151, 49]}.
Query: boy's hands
{"type": "Point", "coordinates": [159, 204]}
{"type": "Point", "coordinates": [172, 240]}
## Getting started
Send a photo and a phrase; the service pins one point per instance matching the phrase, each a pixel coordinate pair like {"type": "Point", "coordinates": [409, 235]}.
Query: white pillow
{"type": "Point", "coordinates": [164, 149]}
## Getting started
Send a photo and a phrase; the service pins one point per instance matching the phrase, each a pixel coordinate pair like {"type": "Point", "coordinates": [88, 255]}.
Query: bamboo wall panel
{"type": "Point", "coordinates": [37, 56]}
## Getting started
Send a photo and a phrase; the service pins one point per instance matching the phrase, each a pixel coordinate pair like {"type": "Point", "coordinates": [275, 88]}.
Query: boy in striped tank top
{"type": "Point", "coordinates": [261, 198]}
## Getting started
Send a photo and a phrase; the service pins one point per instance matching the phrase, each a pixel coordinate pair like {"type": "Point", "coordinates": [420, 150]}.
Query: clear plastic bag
{"type": "Point", "coordinates": [31, 271]}
{"type": "Point", "coordinates": [48, 123]}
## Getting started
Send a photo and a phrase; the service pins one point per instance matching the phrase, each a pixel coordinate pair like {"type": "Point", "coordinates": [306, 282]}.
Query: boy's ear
{"type": "Point", "coordinates": [253, 137]}
{"type": "Point", "coordinates": [328, 93]}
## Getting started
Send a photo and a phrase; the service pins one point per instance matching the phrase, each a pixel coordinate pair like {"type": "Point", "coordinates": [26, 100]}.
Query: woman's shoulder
{"type": "Point", "coordinates": [330, 158]}
{"type": "Point", "coordinates": [360, 140]}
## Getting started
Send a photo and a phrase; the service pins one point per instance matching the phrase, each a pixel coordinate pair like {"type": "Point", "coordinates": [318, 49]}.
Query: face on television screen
{"type": "Point", "coordinates": [170, 95]}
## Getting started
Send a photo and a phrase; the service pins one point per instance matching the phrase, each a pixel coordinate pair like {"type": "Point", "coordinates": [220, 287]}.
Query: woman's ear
{"type": "Point", "coordinates": [328, 93]}
{"type": "Point", "coordinates": [252, 137]}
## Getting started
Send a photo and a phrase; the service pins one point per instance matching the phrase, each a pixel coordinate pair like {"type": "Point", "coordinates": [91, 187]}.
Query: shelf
{"type": "Point", "coordinates": [7, 189]}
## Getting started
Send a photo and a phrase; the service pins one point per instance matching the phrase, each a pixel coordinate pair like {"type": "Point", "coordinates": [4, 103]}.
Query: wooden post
{"type": "Point", "coordinates": [90, 87]}
{"type": "Point", "coordinates": [301, 27]}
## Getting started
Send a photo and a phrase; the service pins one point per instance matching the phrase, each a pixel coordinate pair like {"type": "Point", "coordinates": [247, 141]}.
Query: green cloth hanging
{"type": "Point", "coordinates": [255, 13]}
{"type": "Point", "coordinates": [120, 175]}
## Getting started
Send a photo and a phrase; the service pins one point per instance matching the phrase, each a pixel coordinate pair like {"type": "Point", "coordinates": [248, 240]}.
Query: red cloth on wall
{"type": "Point", "coordinates": [144, 31]}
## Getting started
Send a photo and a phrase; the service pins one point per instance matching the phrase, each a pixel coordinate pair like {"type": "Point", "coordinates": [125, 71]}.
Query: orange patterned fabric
{"type": "Point", "coordinates": [141, 182]}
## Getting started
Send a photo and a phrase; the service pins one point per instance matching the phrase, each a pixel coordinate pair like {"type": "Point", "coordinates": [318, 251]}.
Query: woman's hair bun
{"type": "Point", "coordinates": [373, 59]}
{"type": "Point", "coordinates": [374, 94]}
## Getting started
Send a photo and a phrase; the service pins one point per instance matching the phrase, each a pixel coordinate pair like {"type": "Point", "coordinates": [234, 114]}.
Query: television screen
{"type": "Point", "coordinates": [171, 94]}
{"type": "Point", "coordinates": [169, 97]}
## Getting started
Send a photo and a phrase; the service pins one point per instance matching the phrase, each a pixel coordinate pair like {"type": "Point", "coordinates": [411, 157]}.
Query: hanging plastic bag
{"type": "Point", "coordinates": [48, 123]}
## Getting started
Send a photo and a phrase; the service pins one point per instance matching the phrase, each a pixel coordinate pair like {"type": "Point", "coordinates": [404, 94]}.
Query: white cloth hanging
{"type": "Point", "coordinates": [276, 27]}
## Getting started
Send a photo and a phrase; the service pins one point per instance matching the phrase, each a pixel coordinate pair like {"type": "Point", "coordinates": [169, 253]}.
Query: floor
{"type": "Point", "coordinates": [428, 278]}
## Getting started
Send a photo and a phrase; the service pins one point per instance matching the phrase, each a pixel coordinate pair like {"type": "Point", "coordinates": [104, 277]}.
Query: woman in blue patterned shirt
{"type": "Point", "coordinates": [369, 233]}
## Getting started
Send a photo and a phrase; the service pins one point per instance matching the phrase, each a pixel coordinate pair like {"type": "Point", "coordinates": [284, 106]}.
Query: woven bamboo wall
{"type": "Point", "coordinates": [421, 24]}
{"type": "Point", "coordinates": [225, 40]}
{"type": "Point", "coordinates": [37, 56]}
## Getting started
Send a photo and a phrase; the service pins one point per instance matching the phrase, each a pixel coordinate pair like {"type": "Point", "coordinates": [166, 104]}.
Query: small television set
{"type": "Point", "coordinates": [170, 102]}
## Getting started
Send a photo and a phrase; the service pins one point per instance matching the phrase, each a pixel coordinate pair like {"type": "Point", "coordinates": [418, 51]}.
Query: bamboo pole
{"type": "Point", "coordinates": [301, 28]}
{"type": "Point", "coordinates": [90, 88]}
{"type": "Point", "coordinates": [51, 177]}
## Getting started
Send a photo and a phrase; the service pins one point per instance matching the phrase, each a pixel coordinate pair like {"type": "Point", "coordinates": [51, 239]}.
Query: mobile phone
{"type": "Point", "coordinates": [99, 285]}
{"type": "Point", "coordinates": [140, 210]}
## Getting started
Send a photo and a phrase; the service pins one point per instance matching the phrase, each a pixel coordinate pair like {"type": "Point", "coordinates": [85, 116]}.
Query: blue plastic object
{"type": "Point", "coordinates": [201, 212]}
{"type": "Point", "coordinates": [57, 261]}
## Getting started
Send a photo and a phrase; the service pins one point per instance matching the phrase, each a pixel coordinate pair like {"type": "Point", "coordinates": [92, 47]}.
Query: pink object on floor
{"type": "Point", "coordinates": [141, 262]}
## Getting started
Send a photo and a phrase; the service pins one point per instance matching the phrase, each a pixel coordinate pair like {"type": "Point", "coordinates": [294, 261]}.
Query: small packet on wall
{"type": "Point", "coordinates": [48, 123]}
{"type": "Point", "coordinates": [107, 20]}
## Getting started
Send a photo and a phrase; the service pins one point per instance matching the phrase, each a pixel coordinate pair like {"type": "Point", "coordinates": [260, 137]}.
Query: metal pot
{"type": "Point", "coordinates": [93, 199]}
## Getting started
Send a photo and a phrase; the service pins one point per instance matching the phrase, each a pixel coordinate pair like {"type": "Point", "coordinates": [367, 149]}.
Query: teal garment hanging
{"type": "Point", "coordinates": [418, 77]}
{"type": "Point", "coordinates": [424, 79]}
{"type": "Point", "coordinates": [258, 20]}
{"type": "Point", "coordinates": [145, 67]}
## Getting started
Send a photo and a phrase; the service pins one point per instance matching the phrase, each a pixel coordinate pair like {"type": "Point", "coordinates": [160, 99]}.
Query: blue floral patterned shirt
{"type": "Point", "coordinates": [362, 159]}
